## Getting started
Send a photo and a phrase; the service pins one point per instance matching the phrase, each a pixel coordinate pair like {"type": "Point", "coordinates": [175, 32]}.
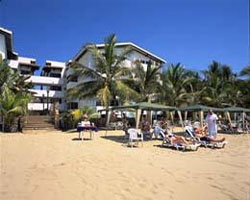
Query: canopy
{"type": "Point", "coordinates": [143, 106]}
{"type": "Point", "coordinates": [236, 109]}
{"type": "Point", "coordinates": [200, 108]}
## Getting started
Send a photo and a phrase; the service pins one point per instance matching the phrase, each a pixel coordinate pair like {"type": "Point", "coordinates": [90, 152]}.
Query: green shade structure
{"type": "Point", "coordinates": [200, 108]}
{"type": "Point", "coordinates": [236, 109]}
{"type": "Point", "coordinates": [142, 106]}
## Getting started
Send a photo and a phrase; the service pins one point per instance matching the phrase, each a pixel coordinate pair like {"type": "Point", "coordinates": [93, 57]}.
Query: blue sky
{"type": "Point", "coordinates": [193, 32]}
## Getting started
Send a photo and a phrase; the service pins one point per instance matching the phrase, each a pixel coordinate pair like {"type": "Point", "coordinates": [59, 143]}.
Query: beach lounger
{"type": "Point", "coordinates": [167, 143]}
{"type": "Point", "coordinates": [205, 143]}
{"type": "Point", "coordinates": [134, 137]}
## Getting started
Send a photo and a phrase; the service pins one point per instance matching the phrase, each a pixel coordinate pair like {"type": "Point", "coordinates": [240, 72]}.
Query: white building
{"type": "Point", "coordinates": [85, 58]}
{"type": "Point", "coordinates": [53, 82]}
{"type": "Point", "coordinates": [48, 87]}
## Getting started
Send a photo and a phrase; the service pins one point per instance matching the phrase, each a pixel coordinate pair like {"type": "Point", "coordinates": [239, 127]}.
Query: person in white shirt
{"type": "Point", "coordinates": [85, 121]}
{"type": "Point", "coordinates": [211, 123]}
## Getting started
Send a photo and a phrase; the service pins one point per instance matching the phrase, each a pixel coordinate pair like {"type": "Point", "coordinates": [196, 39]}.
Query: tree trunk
{"type": "Point", "coordinates": [3, 124]}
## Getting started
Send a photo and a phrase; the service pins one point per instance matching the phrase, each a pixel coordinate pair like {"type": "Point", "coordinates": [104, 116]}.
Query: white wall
{"type": "Point", "coordinates": [3, 50]}
{"type": "Point", "coordinates": [26, 60]}
{"type": "Point", "coordinates": [46, 80]}
{"type": "Point", "coordinates": [38, 106]}
{"type": "Point", "coordinates": [88, 60]}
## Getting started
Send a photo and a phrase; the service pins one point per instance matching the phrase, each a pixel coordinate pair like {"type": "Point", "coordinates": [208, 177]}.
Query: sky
{"type": "Point", "coordinates": [192, 32]}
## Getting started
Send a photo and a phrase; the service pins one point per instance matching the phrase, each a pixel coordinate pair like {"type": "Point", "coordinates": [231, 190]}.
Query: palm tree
{"type": "Point", "coordinates": [245, 72]}
{"type": "Point", "coordinates": [11, 105]}
{"type": "Point", "coordinates": [14, 93]}
{"type": "Point", "coordinates": [145, 81]}
{"type": "Point", "coordinates": [194, 88]}
{"type": "Point", "coordinates": [108, 76]}
{"type": "Point", "coordinates": [220, 84]}
{"type": "Point", "coordinates": [174, 85]}
{"type": "Point", "coordinates": [9, 78]}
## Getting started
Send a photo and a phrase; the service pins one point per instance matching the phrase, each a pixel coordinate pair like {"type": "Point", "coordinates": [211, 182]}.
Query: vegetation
{"type": "Point", "coordinates": [106, 81]}
{"type": "Point", "coordinates": [145, 81]}
{"type": "Point", "coordinates": [85, 111]}
{"type": "Point", "coordinates": [14, 96]}
{"type": "Point", "coordinates": [114, 84]}
{"type": "Point", "coordinates": [70, 119]}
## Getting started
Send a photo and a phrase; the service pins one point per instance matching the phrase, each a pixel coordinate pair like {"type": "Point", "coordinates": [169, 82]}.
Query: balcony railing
{"type": "Point", "coordinates": [52, 93]}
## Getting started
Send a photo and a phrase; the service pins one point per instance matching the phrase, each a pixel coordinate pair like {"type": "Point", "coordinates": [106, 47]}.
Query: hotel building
{"type": "Point", "coordinates": [53, 82]}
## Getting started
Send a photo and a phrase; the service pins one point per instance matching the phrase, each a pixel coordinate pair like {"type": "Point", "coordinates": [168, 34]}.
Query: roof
{"type": "Point", "coordinates": [236, 109]}
{"type": "Point", "coordinates": [26, 61]}
{"type": "Point", "coordinates": [144, 106]}
{"type": "Point", "coordinates": [122, 44]}
{"type": "Point", "coordinates": [9, 43]}
{"type": "Point", "coordinates": [199, 108]}
{"type": "Point", "coordinates": [55, 64]}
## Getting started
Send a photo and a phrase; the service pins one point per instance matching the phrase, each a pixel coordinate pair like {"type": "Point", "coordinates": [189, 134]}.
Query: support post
{"type": "Point", "coordinates": [185, 115]}
{"type": "Point", "coordinates": [180, 116]}
{"type": "Point", "coordinates": [243, 119]}
{"type": "Point", "coordinates": [138, 116]}
{"type": "Point", "coordinates": [172, 116]}
{"type": "Point", "coordinates": [201, 118]}
{"type": "Point", "coordinates": [229, 118]}
{"type": "Point", "coordinates": [149, 116]}
{"type": "Point", "coordinates": [108, 113]}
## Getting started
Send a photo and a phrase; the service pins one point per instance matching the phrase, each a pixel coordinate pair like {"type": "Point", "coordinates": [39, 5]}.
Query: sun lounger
{"type": "Point", "coordinates": [178, 146]}
{"type": "Point", "coordinates": [205, 143]}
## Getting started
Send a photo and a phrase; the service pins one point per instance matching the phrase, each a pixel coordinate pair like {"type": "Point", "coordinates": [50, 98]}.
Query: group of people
{"type": "Point", "coordinates": [207, 133]}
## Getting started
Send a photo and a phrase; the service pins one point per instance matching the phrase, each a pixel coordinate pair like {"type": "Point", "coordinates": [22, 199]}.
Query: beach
{"type": "Point", "coordinates": [56, 165]}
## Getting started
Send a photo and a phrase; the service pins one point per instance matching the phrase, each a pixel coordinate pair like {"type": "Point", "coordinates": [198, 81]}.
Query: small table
{"type": "Point", "coordinates": [81, 129]}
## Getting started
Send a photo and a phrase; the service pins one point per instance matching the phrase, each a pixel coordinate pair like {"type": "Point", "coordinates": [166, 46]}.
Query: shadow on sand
{"type": "Point", "coordinates": [79, 139]}
{"type": "Point", "coordinates": [116, 138]}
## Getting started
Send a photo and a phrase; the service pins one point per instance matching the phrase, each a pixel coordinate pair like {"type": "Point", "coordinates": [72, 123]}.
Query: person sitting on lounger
{"type": "Point", "coordinates": [158, 130]}
{"type": "Point", "coordinates": [202, 134]}
{"type": "Point", "coordinates": [174, 139]}
{"type": "Point", "coordinates": [85, 121]}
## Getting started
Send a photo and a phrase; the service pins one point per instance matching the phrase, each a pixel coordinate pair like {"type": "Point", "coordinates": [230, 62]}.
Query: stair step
{"type": "Point", "coordinates": [38, 126]}
{"type": "Point", "coordinates": [39, 122]}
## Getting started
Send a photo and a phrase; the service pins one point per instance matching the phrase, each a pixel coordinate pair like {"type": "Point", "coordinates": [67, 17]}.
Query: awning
{"type": "Point", "coordinates": [143, 106]}
{"type": "Point", "coordinates": [199, 108]}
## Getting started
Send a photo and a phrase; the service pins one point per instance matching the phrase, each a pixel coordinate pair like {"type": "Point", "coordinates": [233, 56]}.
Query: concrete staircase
{"type": "Point", "coordinates": [38, 122]}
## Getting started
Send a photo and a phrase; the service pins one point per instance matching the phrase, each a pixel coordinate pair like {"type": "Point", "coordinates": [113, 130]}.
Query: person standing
{"type": "Point", "coordinates": [211, 123]}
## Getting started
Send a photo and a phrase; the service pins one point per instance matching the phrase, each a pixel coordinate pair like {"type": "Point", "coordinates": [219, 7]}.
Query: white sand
{"type": "Point", "coordinates": [52, 165]}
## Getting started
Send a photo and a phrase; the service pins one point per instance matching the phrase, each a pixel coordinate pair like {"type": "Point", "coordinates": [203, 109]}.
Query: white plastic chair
{"type": "Point", "coordinates": [135, 135]}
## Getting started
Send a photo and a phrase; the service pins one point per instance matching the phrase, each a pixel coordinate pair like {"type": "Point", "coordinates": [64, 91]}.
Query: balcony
{"type": "Point", "coordinates": [43, 80]}
{"type": "Point", "coordinates": [52, 93]}
{"type": "Point", "coordinates": [38, 106]}
{"type": "Point", "coordinates": [43, 106]}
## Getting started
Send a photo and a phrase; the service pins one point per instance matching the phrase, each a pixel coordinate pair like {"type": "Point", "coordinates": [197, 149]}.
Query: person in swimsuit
{"type": "Point", "coordinates": [202, 134]}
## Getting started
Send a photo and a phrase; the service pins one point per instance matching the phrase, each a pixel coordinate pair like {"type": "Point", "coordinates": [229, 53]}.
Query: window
{"type": "Point", "coordinates": [98, 102]}
{"type": "Point", "coordinates": [33, 62]}
{"type": "Point", "coordinates": [25, 72]}
{"type": "Point", "coordinates": [56, 88]}
{"type": "Point", "coordinates": [55, 75]}
{"type": "Point", "coordinates": [72, 105]}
